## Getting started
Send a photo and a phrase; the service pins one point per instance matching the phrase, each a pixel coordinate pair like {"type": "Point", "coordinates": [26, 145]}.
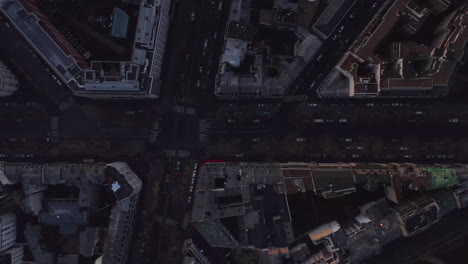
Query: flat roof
{"type": "Point", "coordinates": [332, 16]}
{"type": "Point", "coordinates": [28, 24]}
{"type": "Point", "coordinates": [407, 84]}
{"type": "Point", "coordinates": [145, 25]}
{"type": "Point", "coordinates": [146, 63]}
{"type": "Point", "coordinates": [332, 180]}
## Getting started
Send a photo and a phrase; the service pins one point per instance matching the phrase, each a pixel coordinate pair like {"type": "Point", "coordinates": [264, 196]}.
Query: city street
{"type": "Point", "coordinates": [166, 139]}
{"type": "Point", "coordinates": [198, 27]}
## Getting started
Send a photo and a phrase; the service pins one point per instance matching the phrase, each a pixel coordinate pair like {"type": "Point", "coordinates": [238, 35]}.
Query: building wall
{"type": "Point", "coordinates": [8, 81]}
{"type": "Point", "coordinates": [15, 254]}
{"type": "Point", "coordinates": [160, 41]}
{"type": "Point", "coordinates": [7, 231]}
{"type": "Point", "coordinates": [122, 219]}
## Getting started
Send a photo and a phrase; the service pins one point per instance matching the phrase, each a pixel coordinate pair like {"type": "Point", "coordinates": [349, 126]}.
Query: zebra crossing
{"type": "Point", "coordinates": [54, 123]}
{"type": "Point", "coordinates": [177, 153]}
{"type": "Point", "coordinates": [178, 109]}
{"type": "Point", "coordinates": [190, 111]}
{"type": "Point", "coordinates": [154, 132]}
{"type": "Point", "coordinates": [294, 98]}
{"type": "Point", "coordinates": [54, 129]}
{"type": "Point", "coordinates": [204, 126]}
{"type": "Point", "coordinates": [184, 110]}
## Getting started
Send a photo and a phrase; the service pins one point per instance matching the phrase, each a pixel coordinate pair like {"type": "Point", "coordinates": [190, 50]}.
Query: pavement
{"type": "Point", "coordinates": [25, 130]}
{"type": "Point", "coordinates": [239, 131]}
{"type": "Point", "coordinates": [187, 90]}
{"type": "Point", "coordinates": [193, 65]}
{"type": "Point", "coordinates": [187, 93]}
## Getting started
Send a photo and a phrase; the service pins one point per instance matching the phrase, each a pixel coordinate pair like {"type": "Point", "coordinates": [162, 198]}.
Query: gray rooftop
{"type": "Point", "coordinates": [238, 192]}
{"type": "Point", "coordinates": [215, 234]}
{"type": "Point", "coordinates": [142, 81]}
{"type": "Point", "coordinates": [63, 212]}
{"type": "Point", "coordinates": [336, 84]}
{"type": "Point", "coordinates": [68, 214]}
{"type": "Point", "coordinates": [29, 26]}
{"type": "Point", "coordinates": [88, 240]}
{"type": "Point", "coordinates": [332, 16]}
{"type": "Point", "coordinates": [333, 181]}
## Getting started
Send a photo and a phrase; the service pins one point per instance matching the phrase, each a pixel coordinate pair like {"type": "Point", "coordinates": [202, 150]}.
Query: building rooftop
{"type": "Point", "coordinates": [253, 64]}
{"type": "Point", "coordinates": [376, 224]}
{"type": "Point", "coordinates": [64, 214]}
{"type": "Point", "coordinates": [238, 192]}
{"type": "Point", "coordinates": [409, 68]}
{"type": "Point", "coordinates": [331, 17]}
{"type": "Point", "coordinates": [63, 195]}
{"type": "Point", "coordinates": [333, 180]}
{"type": "Point", "coordinates": [138, 78]}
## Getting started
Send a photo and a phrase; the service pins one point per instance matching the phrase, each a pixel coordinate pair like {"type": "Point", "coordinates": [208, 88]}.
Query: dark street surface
{"type": "Point", "coordinates": [163, 139]}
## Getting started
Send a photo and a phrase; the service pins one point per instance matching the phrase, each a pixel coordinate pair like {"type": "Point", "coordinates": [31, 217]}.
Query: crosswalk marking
{"type": "Point", "coordinates": [154, 132]}
{"type": "Point", "coordinates": [294, 98]}
{"type": "Point", "coordinates": [184, 110]}
{"type": "Point", "coordinates": [177, 153]}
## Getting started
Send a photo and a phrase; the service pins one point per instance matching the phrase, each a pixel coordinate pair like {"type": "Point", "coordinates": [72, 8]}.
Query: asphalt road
{"type": "Point", "coordinates": [194, 43]}
{"type": "Point", "coordinates": [188, 74]}
{"type": "Point", "coordinates": [119, 130]}
{"type": "Point", "coordinates": [191, 65]}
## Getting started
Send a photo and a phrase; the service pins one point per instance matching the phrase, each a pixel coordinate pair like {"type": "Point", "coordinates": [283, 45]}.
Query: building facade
{"type": "Point", "coordinates": [8, 81]}
{"type": "Point", "coordinates": [13, 256]}
{"type": "Point", "coordinates": [7, 231]}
